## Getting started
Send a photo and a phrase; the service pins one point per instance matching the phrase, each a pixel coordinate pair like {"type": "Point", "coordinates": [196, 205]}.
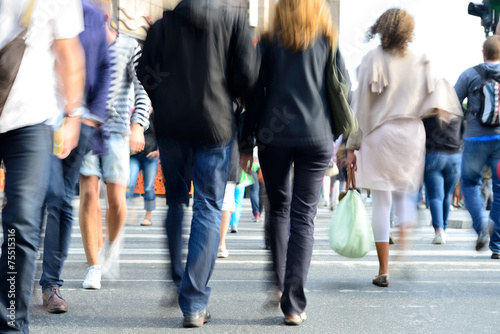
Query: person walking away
{"type": "Point", "coordinates": [64, 173]}
{"type": "Point", "coordinates": [228, 204]}
{"type": "Point", "coordinates": [481, 147]}
{"type": "Point", "coordinates": [395, 91]}
{"type": "Point", "coordinates": [147, 161]}
{"type": "Point", "coordinates": [191, 89]}
{"type": "Point", "coordinates": [442, 170]}
{"type": "Point", "coordinates": [113, 166]}
{"type": "Point", "coordinates": [52, 49]}
{"type": "Point", "coordinates": [289, 116]}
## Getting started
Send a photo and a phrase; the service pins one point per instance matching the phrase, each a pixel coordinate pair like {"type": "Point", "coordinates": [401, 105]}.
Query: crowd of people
{"type": "Point", "coordinates": [223, 108]}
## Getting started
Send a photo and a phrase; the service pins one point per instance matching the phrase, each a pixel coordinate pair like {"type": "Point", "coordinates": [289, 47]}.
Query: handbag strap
{"type": "Point", "coordinates": [25, 19]}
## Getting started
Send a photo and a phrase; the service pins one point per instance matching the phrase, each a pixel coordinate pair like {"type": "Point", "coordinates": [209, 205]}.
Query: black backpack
{"type": "Point", "coordinates": [488, 90]}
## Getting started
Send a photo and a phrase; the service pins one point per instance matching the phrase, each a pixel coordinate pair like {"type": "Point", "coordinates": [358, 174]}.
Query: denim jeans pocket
{"type": "Point", "coordinates": [456, 163]}
{"type": "Point", "coordinates": [431, 161]}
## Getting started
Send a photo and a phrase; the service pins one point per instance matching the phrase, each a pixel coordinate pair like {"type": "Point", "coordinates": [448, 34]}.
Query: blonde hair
{"type": "Point", "coordinates": [395, 28]}
{"type": "Point", "coordinates": [491, 47]}
{"type": "Point", "coordinates": [298, 23]}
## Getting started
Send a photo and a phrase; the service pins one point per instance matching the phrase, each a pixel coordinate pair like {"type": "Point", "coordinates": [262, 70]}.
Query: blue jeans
{"type": "Point", "coordinates": [149, 166]}
{"type": "Point", "coordinates": [476, 155]}
{"type": "Point", "coordinates": [209, 165]}
{"type": "Point", "coordinates": [254, 194]}
{"type": "Point", "coordinates": [442, 172]}
{"type": "Point", "coordinates": [239, 194]}
{"type": "Point", "coordinates": [63, 177]}
{"type": "Point", "coordinates": [26, 156]}
{"type": "Point", "coordinates": [293, 208]}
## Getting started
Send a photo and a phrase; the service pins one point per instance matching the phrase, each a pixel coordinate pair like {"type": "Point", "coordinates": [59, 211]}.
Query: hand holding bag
{"type": "Point", "coordinates": [350, 232]}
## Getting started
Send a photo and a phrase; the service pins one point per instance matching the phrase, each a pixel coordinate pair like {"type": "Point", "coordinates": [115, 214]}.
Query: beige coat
{"type": "Point", "coordinates": [393, 95]}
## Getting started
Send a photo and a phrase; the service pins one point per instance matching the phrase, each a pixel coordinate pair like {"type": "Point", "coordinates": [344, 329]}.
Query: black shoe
{"type": "Point", "coordinates": [381, 280]}
{"type": "Point", "coordinates": [483, 239]}
{"type": "Point", "coordinates": [197, 320]}
{"type": "Point", "coordinates": [495, 256]}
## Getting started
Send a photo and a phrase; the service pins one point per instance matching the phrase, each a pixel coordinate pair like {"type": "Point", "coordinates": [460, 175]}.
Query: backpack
{"type": "Point", "coordinates": [488, 90]}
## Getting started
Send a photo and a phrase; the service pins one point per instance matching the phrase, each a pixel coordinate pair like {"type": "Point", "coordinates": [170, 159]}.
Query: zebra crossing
{"type": "Point", "coordinates": [428, 282]}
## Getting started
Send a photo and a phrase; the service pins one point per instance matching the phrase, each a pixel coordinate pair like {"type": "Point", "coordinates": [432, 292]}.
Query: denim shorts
{"type": "Point", "coordinates": [112, 167]}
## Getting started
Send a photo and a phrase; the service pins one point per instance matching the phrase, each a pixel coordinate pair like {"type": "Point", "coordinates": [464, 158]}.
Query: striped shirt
{"type": "Point", "coordinates": [124, 56]}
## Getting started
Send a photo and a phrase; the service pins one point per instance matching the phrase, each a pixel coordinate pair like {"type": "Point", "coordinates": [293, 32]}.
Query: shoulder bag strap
{"type": "Point", "coordinates": [26, 17]}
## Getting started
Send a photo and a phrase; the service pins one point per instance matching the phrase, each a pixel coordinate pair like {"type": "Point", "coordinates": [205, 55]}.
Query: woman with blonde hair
{"type": "Point", "coordinates": [289, 116]}
{"type": "Point", "coordinates": [395, 91]}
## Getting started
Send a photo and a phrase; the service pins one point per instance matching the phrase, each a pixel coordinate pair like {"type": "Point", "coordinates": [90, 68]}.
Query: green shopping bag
{"type": "Point", "coordinates": [350, 232]}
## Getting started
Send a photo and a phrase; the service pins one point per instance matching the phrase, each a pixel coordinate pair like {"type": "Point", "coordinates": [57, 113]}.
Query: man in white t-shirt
{"type": "Point", "coordinates": [52, 47]}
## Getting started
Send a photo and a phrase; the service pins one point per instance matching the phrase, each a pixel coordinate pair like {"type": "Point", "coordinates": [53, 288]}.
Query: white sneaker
{"type": "Point", "coordinates": [222, 252]}
{"type": "Point", "coordinates": [111, 264]}
{"type": "Point", "coordinates": [93, 278]}
{"type": "Point", "coordinates": [439, 239]}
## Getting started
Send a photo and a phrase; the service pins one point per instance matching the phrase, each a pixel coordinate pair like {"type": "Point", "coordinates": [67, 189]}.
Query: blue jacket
{"type": "Point", "coordinates": [97, 79]}
{"type": "Point", "coordinates": [466, 87]}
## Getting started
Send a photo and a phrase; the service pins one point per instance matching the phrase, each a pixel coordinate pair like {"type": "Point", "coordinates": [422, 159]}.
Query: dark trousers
{"type": "Point", "coordinates": [292, 214]}
{"type": "Point", "coordinates": [254, 194]}
{"type": "Point", "coordinates": [63, 177]}
{"type": "Point", "coordinates": [210, 170]}
{"type": "Point", "coordinates": [26, 156]}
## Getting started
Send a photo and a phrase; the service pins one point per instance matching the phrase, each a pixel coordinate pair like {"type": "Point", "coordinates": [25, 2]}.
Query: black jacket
{"type": "Point", "coordinates": [289, 105]}
{"type": "Point", "coordinates": [194, 61]}
{"type": "Point", "coordinates": [446, 138]}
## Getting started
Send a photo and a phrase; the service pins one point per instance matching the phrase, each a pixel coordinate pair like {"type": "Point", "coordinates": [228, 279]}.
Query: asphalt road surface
{"type": "Point", "coordinates": [447, 288]}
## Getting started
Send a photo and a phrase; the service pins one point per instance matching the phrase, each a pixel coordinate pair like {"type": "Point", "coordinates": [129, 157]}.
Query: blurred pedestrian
{"type": "Point", "coordinates": [147, 161]}
{"type": "Point", "coordinates": [229, 204]}
{"type": "Point", "coordinates": [442, 170]}
{"type": "Point", "coordinates": [255, 191]}
{"type": "Point", "coordinates": [191, 85]}
{"type": "Point", "coordinates": [51, 49]}
{"type": "Point", "coordinates": [395, 91]}
{"type": "Point", "coordinates": [64, 173]}
{"type": "Point", "coordinates": [290, 118]}
{"type": "Point", "coordinates": [481, 147]}
{"type": "Point", "coordinates": [125, 134]}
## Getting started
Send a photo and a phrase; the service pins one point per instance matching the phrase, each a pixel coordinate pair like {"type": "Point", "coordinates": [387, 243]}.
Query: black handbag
{"type": "Point", "coordinates": [11, 56]}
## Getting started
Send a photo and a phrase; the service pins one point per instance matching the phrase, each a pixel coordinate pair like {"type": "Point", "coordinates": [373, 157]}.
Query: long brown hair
{"type": "Point", "coordinates": [297, 23]}
{"type": "Point", "coordinates": [395, 28]}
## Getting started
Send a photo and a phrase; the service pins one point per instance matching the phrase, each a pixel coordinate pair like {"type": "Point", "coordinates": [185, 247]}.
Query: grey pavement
{"type": "Point", "coordinates": [447, 288]}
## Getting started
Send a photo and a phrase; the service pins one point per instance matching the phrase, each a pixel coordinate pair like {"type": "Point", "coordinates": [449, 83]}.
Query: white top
{"type": "Point", "coordinates": [394, 93]}
{"type": "Point", "coordinates": [32, 99]}
{"type": "Point", "coordinates": [393, 87]}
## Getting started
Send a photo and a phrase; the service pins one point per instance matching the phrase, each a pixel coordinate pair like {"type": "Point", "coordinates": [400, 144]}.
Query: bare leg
{"type": "Point", "coordinates": [148, 215]}
{"type": "Point", "coordinates": [89, 205]}
{"type": "Point", "coordinates": [100, 239]}
{"type": "Point", "coordinates": [117, 211]}
{"type": "Point", "coordinates": [383, 257]}
{"type": "Point", "coordinates": [224, 226]}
